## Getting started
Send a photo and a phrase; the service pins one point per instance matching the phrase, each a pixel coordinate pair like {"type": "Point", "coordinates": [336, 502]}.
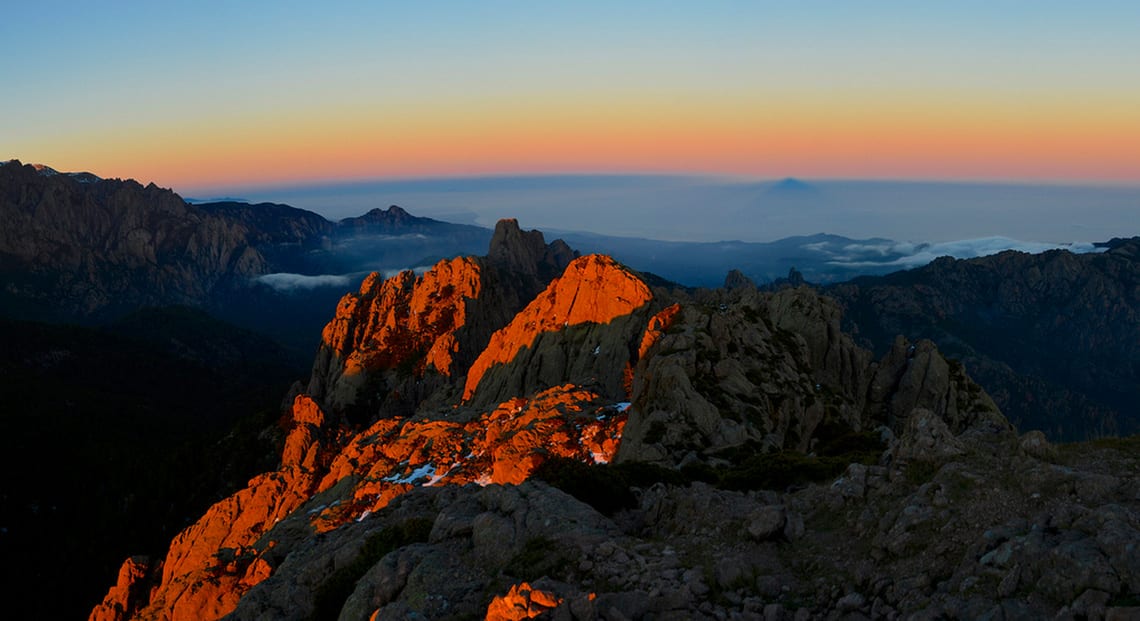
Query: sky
{"type": "Point", "coordinates": [206, 97]}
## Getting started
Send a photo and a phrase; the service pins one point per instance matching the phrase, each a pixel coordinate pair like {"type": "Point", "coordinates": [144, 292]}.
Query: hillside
{"type": "Point", "coordinates": [532, 431]}
{"type": "Point", "coordinates": [1054, 337]}
{"type": "Point", "coordinates": [79, 249]}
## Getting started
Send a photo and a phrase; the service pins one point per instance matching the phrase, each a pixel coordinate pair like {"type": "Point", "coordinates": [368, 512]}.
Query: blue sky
{"type": "Point", "coordinates": [206, 95]}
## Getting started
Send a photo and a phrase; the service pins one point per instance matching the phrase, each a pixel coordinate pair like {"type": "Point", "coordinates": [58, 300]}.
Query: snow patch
{"type": "Point", "coordinates": [425, 471]}
{"type": "Point", "coordinates": [436, 477]}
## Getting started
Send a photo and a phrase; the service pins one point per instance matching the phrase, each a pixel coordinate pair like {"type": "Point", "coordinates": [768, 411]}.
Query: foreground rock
{"type": "Point", "coordinates": [881, 542]}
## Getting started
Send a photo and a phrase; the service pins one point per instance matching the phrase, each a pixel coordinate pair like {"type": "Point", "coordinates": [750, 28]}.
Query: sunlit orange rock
{"type": "Point", "coordinates": [593, 289]}
{"type": "Point", "coordinates": [211, 564]}
{"type": "Point", "coordinates": [198, 582]}
{"type": "Point", "coordinates": [257, 571]}
{"type": "Point", "coordinates": [128, 592]}
{"type": "Point", "coordinates": [214, 562]}
{"type": "Point", "coordinates": [658, 325]}
{"type": "Point", "coordinates": [401, 320]}
{"type": "Point", "coordinates": [302, 445]}
{"type": "Point", "coordinates": [503, 445]}
{"type": "Point", "coordinates": [404, 320]}
{"type": "Point", "coordinates": [392, 320]}
{"type": "Point", "coordinates": [521, 602]}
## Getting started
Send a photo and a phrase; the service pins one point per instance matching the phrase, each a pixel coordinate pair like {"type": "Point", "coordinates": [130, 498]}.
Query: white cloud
{"type": "Point", "coordinates": [919, 254]}
{"type": "Point", "coordinates": [287, 283]}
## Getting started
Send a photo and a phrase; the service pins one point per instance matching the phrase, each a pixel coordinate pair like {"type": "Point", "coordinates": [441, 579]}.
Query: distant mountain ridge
{"type": "Point", "coordinates": [1055, 337]}
{"type": "Point", "coordinates": [72, 249]}
{"type": "Point", "coordinates": [78, 248]}
{"type": "Point", "coordinates": [146, 246]}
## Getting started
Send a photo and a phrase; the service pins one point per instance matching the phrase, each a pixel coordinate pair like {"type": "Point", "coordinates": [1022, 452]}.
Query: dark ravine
{"type": "Point", "coordinates": [119, 437]}
{"type": "Point", "coordinates": [761, 465]}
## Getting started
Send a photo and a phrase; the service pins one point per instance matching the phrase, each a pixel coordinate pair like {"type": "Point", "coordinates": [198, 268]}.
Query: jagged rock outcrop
{"type": "Point", "coordinates": [736, 279]}
{"type": "Point", "coordinates": [129, 591]}
{"type": "Point", "coordinates": [522, 601]}
{"type": "Point", "coordinates": [469, 535]}
{"type": "Point", "coordinates": [388, 345]}
{"type": "Point", "coordinates": [775, 370]}
{"type": "Point", "coordinates": [1054, 337]}
{"type": "Point", "coordinates": [526, 255]}
{"type": "Point", "coordinates": [432, 513]}
{"type": "Point", "coordinates": [242, 539]}
{"type": "Point", "coordinates": [502, 445]}
{"type": "Point", "coordinates": [400, 321]}
{"type": "Point", "coordinates": [404, 325]}
{"type": "Point", "coordinates": [580, 329]}
{"type": "Point", "coordinates": [880, 542]}
{"type": "Point", "coordinates": [213, 562]}
{"type": "Point", "coordinates": [915, 376]}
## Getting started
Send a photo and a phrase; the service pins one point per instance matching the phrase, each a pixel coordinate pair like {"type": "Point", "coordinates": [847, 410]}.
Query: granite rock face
{"type": "Point", "coordinates": [406, 340]}
{"type": "Point", "coordinates": [738, 456]}
{"type": "Point", "coordinates": [877, 542]}
{"type": "Point", "coordinates": [581, 327]}
{"type": "Point", "coordinates": [1054, 337]}
{"type": "Point", "coordinates": [76, 249]}
{"type": "Point", "coordinates": [774, 370]}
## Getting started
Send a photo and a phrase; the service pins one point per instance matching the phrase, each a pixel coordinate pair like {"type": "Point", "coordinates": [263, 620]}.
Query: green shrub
{"type": "Point", "coordinates": [602, 487]}
{"type": "Point", "coordinates": [920, 471]}
{"type": "Point", "coordinates": [858, 446]}
{"type": "Point", "coordinates": [655, 433]}
{"type": "Point", "coordinates": [605, 487]}
{"type": "Point", "coordinates": [700, 471]}
{"type": "Point", "coordinates": [778, 471]}
{"type": "Point", "coordinates": [640, 474]}
{"type": "Point", "coordinates": [540, 557]}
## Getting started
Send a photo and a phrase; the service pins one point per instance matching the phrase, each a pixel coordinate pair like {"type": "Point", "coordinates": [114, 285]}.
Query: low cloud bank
{"type": "Point", "coordinates": [905, 255]}
{"type": "Point", "coordinates": [287, 283]}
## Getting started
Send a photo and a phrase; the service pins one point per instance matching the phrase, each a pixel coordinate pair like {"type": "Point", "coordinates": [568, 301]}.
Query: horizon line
{"type": "Point", "coordinates": [742, 178]}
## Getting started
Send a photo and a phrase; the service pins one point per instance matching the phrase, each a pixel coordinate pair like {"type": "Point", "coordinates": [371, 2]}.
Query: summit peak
{"type": "Point", "coordinates": [527, 252]}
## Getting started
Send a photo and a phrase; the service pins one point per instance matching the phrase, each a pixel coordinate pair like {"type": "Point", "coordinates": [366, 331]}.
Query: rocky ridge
{"type": "Point", "coordinates": [764, 466]}
{"type": "Point", "coordinates": [80, 248]}
{"type": "Point", "coordinates": [403, 341]}
{"type": "Point", "coordinates": [76, 247]}
{"type": "Point", "coordinates": [594, 300]}
{"type": "Point", "coordinates": [1055, 337]}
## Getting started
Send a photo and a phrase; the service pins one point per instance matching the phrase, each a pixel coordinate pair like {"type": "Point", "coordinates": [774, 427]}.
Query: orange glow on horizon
{"type": "Point", "coordinates": [906, 137]}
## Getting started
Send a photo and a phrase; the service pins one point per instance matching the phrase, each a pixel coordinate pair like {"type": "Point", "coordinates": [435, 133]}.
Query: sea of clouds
{"type": "Point", "coordinates": [906, 255]}
{"type": "Point", "coordinates": [285, 282]}
{"type": "Point", "coordinates": [709, 209]}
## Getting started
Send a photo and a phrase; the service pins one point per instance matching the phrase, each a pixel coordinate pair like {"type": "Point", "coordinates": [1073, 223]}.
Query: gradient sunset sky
{"type": "Point", "coordinates": [205, 95]}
